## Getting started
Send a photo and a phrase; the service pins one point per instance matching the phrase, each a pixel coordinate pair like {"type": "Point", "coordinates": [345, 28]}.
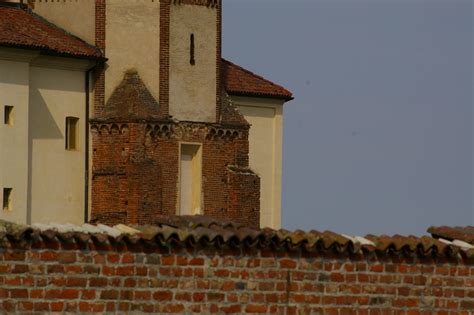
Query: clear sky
{"type": "Point", "coordinates": [379, 139]}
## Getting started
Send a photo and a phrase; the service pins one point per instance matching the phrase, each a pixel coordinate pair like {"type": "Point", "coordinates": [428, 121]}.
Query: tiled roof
{"type": "Point", "coordinates": [192, 230]}
{"type": "Point", "coordinates": [131, 99]}
{"type": "Point", "coordinates": [21, 28]}
{"type": "Point", "coordinates": [465, 234]}
{"type": "Point", "coordinates": [239, 81]}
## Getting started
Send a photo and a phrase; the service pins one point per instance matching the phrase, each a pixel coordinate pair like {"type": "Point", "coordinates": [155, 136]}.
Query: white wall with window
{"type": "Point", "coordinates": [14, 102]}
{"type": "Point", "coordinates": [57, 135]}
{"type": "Point", "coordinates": [42, 137]}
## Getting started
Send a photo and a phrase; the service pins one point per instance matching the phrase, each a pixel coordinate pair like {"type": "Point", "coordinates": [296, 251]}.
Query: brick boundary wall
{"type": "Point", "coordinates": [130, 275]}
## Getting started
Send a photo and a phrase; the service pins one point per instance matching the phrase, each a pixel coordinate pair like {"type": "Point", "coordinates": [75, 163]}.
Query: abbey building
{"type": "Point", "coordinates": [119, 111]}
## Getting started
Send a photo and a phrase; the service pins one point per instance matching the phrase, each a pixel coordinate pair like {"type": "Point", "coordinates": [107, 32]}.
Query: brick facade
{"type": "Point", "coordinates": [96, 274]}
{"type": "Point", "coordinates": [136, 161]}
{"type": "Point", "coordinates": [136, 145]}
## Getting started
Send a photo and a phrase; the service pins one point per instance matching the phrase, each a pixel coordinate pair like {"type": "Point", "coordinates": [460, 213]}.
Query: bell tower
{"type": "Point", "coordinates": [190, 54]}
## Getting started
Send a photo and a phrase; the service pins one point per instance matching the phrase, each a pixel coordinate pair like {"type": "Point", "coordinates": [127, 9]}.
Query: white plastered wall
{"type": "Point", "coordinates": [14, 80]}
{"type": "Point", "coordinates": [265, 143]}
{"type": "Point", "coordinates": [132, 35]}
{"type": "Point", "coordinates": [47, 180]}
{"type": "Point", "coordinates": [57, 175]}
{"type": "Point", "coordinates": [193, 87]}
{"type": "Point", "coordinates": [133, 42]}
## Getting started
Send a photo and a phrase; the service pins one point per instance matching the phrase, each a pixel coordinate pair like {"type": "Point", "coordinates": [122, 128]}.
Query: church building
{"type": "Point", "coordinates": [119, 111]}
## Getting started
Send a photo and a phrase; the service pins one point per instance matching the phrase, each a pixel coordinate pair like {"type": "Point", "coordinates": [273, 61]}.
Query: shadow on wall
{"type": "Point", "coordinates": [41, 122]}
{"type": "Point", "coordinates": [41, 126]}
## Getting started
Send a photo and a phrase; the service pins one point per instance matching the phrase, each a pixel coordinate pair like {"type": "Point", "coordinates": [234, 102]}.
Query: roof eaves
{"type": "Point", "coordinates": [264, 95]}
{"type": "Point", "coordinates": [286, 94]}
{"type": "Point", "coordinates": [99, 54]}
{"type": "Point", "coordinates": [88, 51]}
{"type": "Point", "coordinates": [51, 52]}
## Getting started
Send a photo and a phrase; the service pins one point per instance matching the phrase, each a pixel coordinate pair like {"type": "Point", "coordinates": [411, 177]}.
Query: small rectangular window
{"type": "Point", "coordinates": [71, 133]}
{"type": "Point", "coordinates": [7, 199]}
{"type": "Point", "coordinates": [8, 117]}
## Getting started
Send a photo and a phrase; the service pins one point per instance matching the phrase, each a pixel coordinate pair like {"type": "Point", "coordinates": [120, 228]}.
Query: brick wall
{"type": "Point", "coordinates": [136, 159]}
{"type": "Point", "coordinates": [136, 167]}
{"type": "Point", "coordinates": [59, 275]}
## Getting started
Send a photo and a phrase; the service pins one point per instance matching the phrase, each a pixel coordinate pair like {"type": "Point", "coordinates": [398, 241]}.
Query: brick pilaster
{"type": "Point", "coordinates": [99, 75]}
{"type": "Point", "coordinates": [164, 58]}
{"type": "Point", "coordinates": [218, 61]}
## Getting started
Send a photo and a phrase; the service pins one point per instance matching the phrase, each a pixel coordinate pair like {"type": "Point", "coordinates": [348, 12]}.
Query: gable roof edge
{"type": "Point", "coordinates": [268, 89]}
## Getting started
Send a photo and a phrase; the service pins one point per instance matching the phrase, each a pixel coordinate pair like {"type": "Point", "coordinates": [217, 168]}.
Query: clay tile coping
{"type": "Point", "coordinates": [191, 230]}
{"type": "Point", "coordinates": [21, 28]}
{"type": "Point", "coordinates": [465, 234]}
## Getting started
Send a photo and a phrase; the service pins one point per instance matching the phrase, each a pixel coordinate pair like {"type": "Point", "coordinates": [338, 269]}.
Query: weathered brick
{"type": "Point", "coordinates": [288, 264]}
{"type": "Point", "coordinates": [163, 295]}
{"type": "Point", "coordinates": [14, 256]}
{"type": "Point", "coordinates": [167, 260]}
{"type": "Point", "coordinates": [109, 295]}
{"type": "Point", "coordinates": [18, 293]}
{"type": "Point", "coordinates": [66, 257]}
{"type": "Point", "coordinates": [98, 282]}
{"type": "Point", "coordinates": [20, 269]}
{"type": "Point", "coordinates": [251, 308]}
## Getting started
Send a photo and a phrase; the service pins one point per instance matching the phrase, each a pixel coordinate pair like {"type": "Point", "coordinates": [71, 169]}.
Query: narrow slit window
{"type": "Point", "coordinates": [8, 117]}
{"type": "Point", "coordinates": [71, 133]}
{"type": "Point", "coordinates": [192, 61]}
{"type": "Point", "coordinates": [7, 199]}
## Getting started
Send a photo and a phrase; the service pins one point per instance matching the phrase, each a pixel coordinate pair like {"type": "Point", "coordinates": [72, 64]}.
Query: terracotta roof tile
{"type": "Point", "coordinates": [131, 99]}
{"type": "Point", "coordinates": [239, 81]}
{"type": "Point", "coordinates": [465, 234]}
{"type": "Point", "coordinates": [192, 230]}
{"type": "Point", "coordinates": [21, 28]}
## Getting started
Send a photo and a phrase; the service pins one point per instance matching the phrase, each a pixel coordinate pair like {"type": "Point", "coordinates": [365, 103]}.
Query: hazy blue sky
{"type": "Point", "coordinates": [380, 136]}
